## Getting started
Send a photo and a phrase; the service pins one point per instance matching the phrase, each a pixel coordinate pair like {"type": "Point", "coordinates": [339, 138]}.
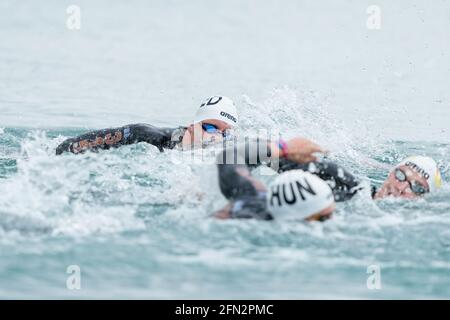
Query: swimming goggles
{"type": "Point", "coordinates": [416, 187]}
{"type": "Point", "coordinates": [213, 129]}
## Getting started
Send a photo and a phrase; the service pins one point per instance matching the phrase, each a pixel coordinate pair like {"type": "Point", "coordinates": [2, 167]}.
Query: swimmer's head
{"type": "Point", "coordinates": [213, 122]}
{"type": "Point", "coordinates": [218, 109]}
{"type": "Point", "coordinates": [412, 178]}
{"type": "Point", "coordinates": [300, 195]}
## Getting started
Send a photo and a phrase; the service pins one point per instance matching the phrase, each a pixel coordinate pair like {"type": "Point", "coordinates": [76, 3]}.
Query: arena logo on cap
{"type": "Point", "coordinates": [418, 169]}
{"type": "Point", "coordinates": [275, 193]}
{"type": "Point", "coordinates": [228, 116]}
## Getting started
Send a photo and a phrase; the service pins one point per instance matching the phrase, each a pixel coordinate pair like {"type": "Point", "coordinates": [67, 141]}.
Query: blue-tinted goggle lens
{"type": "Point", "coordinates": [210, 128]}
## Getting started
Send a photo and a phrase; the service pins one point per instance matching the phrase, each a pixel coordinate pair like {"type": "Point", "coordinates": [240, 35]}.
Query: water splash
{"type": "Point", "coordinates": [155, 207]}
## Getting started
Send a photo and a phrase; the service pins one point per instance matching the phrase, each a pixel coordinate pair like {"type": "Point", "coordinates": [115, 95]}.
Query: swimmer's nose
{"type": "Point", "coordinates": [404, 186]}
{"type": "Point", "coordinates": [400, 188]}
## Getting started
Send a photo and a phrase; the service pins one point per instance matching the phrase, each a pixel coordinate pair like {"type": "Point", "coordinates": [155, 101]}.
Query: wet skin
{"type": "Point", "coordinates": [325, 214]}
{"type": "Point", "coordinates": [392, 187]}
{"type": "Point", "coordinates": [196, 136]}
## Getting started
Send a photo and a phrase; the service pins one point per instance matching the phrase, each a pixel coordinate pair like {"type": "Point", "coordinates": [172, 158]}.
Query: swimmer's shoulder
{"type": "Point", "coordinates": [148, 129]}
{"type": "Point", "coordinates": [161, 137]}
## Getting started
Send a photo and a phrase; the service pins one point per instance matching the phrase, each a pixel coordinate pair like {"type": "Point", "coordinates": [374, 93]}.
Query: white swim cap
{"type": "Point", "coordinates": [427, 168]}
{"type": "Point", "coordinates": [297, 195]}
{"type": "Point", "coordinates": [218, 108]}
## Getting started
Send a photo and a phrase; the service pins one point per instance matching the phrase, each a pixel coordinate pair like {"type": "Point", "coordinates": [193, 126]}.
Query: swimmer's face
{"type": "Point", "coordinates": [197, 135]}
{"type": "Point", "coordinates": [323, 215]}
{"type": "Point", "coordinates": [397, 186]}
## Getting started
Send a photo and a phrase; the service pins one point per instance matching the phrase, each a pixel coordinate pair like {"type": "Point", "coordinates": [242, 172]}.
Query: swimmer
{"type": "Point", "coordinates": [295, 161]}
{"type": "Point", "coordinates": [213, 121]}
{"type": "Point", "coordinates": [298, 193]}
{"type": "Point", "coordinates": [412, 178]}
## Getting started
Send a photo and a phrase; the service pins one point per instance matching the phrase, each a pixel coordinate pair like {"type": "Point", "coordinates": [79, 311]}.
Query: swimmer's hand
{"type": "Point", "coordinates": [224, 213]}
{"type": "Point", "coordinates": [300, 150]}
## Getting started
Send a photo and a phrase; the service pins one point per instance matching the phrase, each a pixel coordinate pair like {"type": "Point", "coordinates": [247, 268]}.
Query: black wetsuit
{"type": "Point", "coordinates": [248, 202]}
{"type": "Point", "coordinates": [114, 137]}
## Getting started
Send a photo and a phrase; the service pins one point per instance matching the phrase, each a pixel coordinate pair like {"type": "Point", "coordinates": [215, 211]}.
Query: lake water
{"type": "Point", "coordinates": [136, 221]}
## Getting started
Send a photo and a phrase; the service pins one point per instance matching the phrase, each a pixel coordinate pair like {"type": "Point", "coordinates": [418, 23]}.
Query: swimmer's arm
{"type": "Point", "coordinates": [234, 163]}
{"type": "Point", "coordinates": [235, 179]}
{"type": "Point", "coordinates": [344, 184]}
{"type": "Point", "coordinates": [159, 137]}
{"type": "Point", "coordinates": [228, 213]}
{"type": "Point", "coordinates": [93, 140]}
{"type": "Point", "coordinates": [115, 137]}
{"type": "Point", "coordinates": [224, 213]}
